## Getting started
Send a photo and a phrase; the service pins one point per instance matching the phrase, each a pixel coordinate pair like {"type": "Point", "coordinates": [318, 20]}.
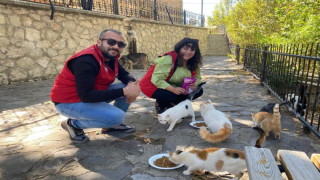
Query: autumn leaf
{"type": "Point", "coordinates": [147, 140]}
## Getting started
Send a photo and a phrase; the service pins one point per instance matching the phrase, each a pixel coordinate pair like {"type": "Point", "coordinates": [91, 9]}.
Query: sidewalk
{"type": "Point", "coordinates": [34, 146]}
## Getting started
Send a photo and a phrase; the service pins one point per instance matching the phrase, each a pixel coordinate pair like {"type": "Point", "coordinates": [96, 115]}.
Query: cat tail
{"type": "Point", "coordinates": [219, 136]}
{"type": "Point", "coordinates": [276, 121]}
{"type": "Point", "coordinates": [261, 139]}
{"type": "Point", "coordinates": [276, 110]}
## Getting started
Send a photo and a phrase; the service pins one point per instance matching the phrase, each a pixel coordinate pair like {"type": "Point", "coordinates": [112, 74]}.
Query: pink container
{"type": "Point", "coordinates": [186, 84]}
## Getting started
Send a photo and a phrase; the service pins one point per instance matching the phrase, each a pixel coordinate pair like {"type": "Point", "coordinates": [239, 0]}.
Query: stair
{"type": "Point", "coordinates": [217, 45]}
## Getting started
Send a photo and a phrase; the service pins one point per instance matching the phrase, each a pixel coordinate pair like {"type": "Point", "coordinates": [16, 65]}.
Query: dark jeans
{"type": "Point", "coordinates": [167, 99]}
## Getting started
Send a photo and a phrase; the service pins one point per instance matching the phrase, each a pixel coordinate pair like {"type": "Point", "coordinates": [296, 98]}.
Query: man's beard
{"type": "Point", "coordinates": [107, 55]}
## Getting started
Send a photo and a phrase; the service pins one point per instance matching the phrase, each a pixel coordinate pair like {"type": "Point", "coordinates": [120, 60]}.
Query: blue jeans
{"type": "Point", "coordinates": [96, 115]}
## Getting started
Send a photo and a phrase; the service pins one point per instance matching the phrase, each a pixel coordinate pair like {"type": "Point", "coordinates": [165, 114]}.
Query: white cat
{"type": "Point", "coordinates": [210, 159]}
{"type": "Point", "coordinates": [175, 114]}
{"type": "Point", "coordinates": [217, 122]}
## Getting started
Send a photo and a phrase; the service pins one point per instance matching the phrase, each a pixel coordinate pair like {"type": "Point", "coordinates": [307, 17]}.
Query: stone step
{"type": "Point", "coordinates": [217, 45]}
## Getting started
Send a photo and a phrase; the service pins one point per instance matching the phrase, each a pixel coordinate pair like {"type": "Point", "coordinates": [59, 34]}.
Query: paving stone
{"type": "Point", "coordinates": [34, 146]}
{"type": "Point", "coordinates": [147, 177]}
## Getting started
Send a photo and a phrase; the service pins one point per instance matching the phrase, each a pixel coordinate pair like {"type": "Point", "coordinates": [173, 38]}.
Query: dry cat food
{"type": "Point", "coordinates": [200, 124]}
{"type": "Point", "coordinates": [164, 162]}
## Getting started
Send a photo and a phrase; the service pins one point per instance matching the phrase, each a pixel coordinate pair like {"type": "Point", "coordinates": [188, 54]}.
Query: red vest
{"type": "Point", "coordinates": [147, 87]}
{"type": "Point", "coordinates": [64, 88]}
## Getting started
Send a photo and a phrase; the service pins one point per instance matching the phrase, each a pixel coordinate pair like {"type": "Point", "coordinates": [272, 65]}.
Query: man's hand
{"type": "Point", "coordinates": [132, 91]}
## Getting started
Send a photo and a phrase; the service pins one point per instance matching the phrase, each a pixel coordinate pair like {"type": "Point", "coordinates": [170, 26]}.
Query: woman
{"type": "Point", "coordinates": [164, 79]}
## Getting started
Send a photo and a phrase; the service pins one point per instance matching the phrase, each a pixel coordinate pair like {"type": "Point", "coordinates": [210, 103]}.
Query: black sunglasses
{"type": "Point", "coordinates": [113, 42]}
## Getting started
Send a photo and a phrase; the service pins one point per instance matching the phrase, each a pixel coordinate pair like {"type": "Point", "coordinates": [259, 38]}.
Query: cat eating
{"type": "Point", "coordinates": [217, 123]}
{"type": "Point", "coordinates": [210, 159]}
{"type": "Point", "coordinates": [266, 122]}
{"type": "Point", "coordinates": [175, 114]}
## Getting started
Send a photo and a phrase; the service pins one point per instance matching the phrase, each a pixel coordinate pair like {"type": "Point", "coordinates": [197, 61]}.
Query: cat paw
{"type": "Point", "coordinates": [169, 130]}
{"type": "Point", "coordinates": [186, 172]}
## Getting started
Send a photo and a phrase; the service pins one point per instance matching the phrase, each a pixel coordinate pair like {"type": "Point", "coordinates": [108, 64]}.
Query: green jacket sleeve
{"type": "Point", "coordinates": [163, 65]}
{"type": "Point", "coordinates": [198, 76]}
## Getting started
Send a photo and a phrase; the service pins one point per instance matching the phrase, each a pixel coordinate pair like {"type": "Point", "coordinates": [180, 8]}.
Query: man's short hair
{"type": "Point", "coordinates": [106, 30]}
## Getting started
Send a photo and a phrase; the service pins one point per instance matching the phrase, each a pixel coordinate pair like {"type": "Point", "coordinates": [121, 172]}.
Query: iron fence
{"type": "Point", "coordinates": [291, 73]}
{"type": "Point", "coordinates": [146, 9]}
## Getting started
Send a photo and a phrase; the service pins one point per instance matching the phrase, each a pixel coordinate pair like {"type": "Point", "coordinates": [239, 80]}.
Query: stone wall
{"type": "Point", "coordinates": [177, 4]}
{"type": "Point", "coordinates": [33, 47]}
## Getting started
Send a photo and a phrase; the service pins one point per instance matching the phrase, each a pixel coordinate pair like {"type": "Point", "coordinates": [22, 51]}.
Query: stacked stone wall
{"type": "Point", "coordinates": [34, 47]}
{"type": "Point", "coordinates": [177, 4]}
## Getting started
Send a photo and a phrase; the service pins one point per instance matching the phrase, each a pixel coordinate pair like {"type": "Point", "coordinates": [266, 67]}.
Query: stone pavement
{"type": "Point", "coordinates": [34, 146]}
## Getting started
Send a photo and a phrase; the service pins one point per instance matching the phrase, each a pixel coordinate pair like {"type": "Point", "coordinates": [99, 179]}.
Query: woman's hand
{"type": "Point", "coordinates": [193, 86]}
{"type": "Point", "coordinates": [175, 90]}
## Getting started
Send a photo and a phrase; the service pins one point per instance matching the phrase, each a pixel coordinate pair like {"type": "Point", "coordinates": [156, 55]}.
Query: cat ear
{"type": "Point", "coordinates": [209, 101]}
{"type": "Point", "coordinates": [179, 151]}
{"type": "Point", "coordinates": [170, 153]}
{"type": "Point", "coordinates": [168, 115]}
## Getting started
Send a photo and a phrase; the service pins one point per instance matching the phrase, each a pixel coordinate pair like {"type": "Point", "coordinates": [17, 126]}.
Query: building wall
{"type": "Point", "coordinates": [33, 47]}
{"type": "Point", "coordinates": [173, 3]}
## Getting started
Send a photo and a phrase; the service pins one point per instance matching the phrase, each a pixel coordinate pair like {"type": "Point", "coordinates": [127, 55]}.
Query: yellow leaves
{"type": "Point", "coordinates": [147, 140]}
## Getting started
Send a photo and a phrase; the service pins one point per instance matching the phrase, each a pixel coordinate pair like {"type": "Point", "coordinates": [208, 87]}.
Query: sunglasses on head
{"type": "Point", "coordinates": [113, 42]}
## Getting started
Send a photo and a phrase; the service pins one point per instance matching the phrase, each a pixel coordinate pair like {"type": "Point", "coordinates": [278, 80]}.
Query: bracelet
{"type": "Point", "coordinates": [126, 90]}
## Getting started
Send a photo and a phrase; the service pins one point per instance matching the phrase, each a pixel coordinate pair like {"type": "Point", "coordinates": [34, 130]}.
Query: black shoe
{"type": "Point", "coordinates": [122, 127]}
{"type": "Point", "coordinates": [157, 108]}
{"type": "Point", "coordinates": [76, 135]}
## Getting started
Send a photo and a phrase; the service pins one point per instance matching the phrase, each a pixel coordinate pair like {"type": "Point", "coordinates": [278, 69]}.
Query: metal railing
{"type": "Point", "coordinates": [146, 9]}
{"type": "Point", "coordinates": [291, 73]}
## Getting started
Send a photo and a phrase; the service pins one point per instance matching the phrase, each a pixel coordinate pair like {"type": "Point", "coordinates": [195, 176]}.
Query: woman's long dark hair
{"type": "Point", "coordinates": [196, 61]}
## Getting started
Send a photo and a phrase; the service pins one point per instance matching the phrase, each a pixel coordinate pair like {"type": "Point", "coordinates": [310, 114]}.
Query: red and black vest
{"type": "Point", "coordinates": [64, 88]}
{"type": "Point", "coordinates": [147, 87]}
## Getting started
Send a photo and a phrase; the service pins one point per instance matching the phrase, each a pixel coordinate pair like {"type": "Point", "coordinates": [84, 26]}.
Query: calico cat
{"type": "Point", "coordinates": [216, 121]}
{"type": "Point", "coordinates": [175, 114]}
{"type": "Point", "coordinates": [210, 159]}
{"type": "Point", "coordinates": [266, 122]}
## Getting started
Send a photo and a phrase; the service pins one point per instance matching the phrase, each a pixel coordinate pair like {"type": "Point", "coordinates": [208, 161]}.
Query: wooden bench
{"type": "Point", "coordinates": [315, 159]}
{"type": "Point", "coordinates": [297, 165]}
{"type": "Point", "coordinates": [261, 164]}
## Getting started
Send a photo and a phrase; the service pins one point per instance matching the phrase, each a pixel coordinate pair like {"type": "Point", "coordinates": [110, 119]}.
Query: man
{"type": "Point", "coordinates": [84, 88]}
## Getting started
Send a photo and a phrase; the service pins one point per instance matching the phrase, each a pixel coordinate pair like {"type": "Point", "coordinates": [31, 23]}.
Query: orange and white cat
{"type": "Point", "coordinates": [266, 122]}
{"type": "Point", "coordinates": [216, 121]}
{"type": "Point", "coordinates": [210, 159]}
